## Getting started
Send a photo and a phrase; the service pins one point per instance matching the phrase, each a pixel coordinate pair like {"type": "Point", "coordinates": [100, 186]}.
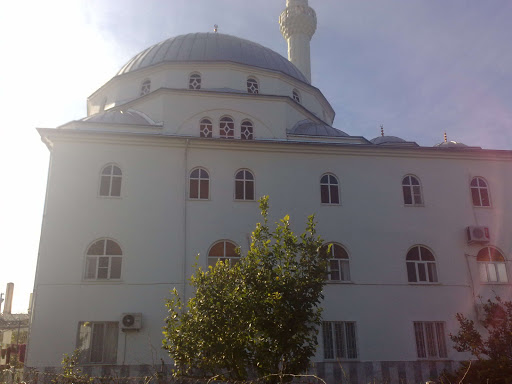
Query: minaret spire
{"type": "Point", "coordinates": [298, 24]}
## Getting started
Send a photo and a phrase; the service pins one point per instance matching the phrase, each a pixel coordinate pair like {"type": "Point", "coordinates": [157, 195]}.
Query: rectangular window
{"type": "Point", "coordinates": [430, 339]}
{"type": "Point", "coordinates": [97, 342]}
{"type": "Point", "coordinates": [339, 338]}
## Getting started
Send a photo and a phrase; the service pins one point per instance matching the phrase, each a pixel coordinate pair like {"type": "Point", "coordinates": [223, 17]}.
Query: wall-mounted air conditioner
{"type": "Point", "coordinates": [131, 321]}
{"type": "Point", "coordinates": [478, 234]}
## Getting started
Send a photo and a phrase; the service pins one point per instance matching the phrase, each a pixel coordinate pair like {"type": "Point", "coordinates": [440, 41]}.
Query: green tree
{"type": "Point", "coordinates": [258, 317]}
{"type": "Point", "coordinates": [491, 349]}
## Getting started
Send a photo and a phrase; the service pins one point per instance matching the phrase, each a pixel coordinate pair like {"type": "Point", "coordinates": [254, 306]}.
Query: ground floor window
{"type": "Point", "coordinates": [430, 339]}
{"type": "Point", "coordinates": [97, 341]}
{"type": "Point", "coordinates": [339, 339]}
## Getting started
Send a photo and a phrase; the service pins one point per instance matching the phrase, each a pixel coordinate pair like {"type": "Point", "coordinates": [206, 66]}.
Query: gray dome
{"type": "Point", "coordinates": [387, 140]}
{"type": "Point", "coordinates": [208, 47]}
{"type": "Point", "coordinates": [450, 144]}
{"type": "Point", "coordinates": [129, 117]}
{"type": "Point", "coordinates": [310, 128]}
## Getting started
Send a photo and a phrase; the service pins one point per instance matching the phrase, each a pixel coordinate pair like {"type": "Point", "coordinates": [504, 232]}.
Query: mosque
{"type": "Point", "coordinates": [169, 163]}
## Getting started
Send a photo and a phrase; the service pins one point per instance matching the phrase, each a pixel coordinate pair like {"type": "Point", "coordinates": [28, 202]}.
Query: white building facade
{"type": "Point", "coordinates": [169, 163]}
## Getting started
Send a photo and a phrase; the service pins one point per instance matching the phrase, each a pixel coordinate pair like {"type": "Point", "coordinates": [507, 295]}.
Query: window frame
{"type": "Point", "coordinates": [486, 264]}
{"type": "Point", "coordinates": [89, 257]}
{"type": "Point", "coordinates": [229, 258]}
{"type": "Point", "coordinates": [85, 358]}
{"type": "Point", "coordinates": [145, 87]}
{"type": "Point", "coordinates": [410, 187]}
{"type": "Point", "coordinates": [343, 264]}
{"type": "Point", "coordinates": [479, 189]}
{"type": "Point", "coordinates": [111, 176]}
{"type": "Point", "coordinates": [425, 263]}
{"type": "Point", "coordinates": [425, 346]}
{"type": "Point", "coordinates": [199, 179]}
{"type": "Point", "coordinates": [244, 182]}
{"type": "Point", "coordinates": [339, 343]}
{"type": "Point", "coordinates": [195, 76]}
{"type": "Point", "coordinates": [296, 96]}
{"type": "Point", "coordinates": [254, 81]}
{"type": "Point", "coordinates": [201, 123]}
{"type": "Point", "coordinates": [248, 124]}
{"type": "Point", "coordinates": [224, 119]}
{"type": "Point", "coordinates": [329, 185]}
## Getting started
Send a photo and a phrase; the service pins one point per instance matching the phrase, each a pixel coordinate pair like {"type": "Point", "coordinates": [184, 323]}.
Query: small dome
{"type": "Point", "coordinates": [129, 117]}
{"type": "Point", "coordinates": [450, 144]}
{"type": "Point", "coordinates": [379, 140]}
{"type": "Point", "coordinates": [310, 128]}
{"type": "Point", "coordinates": [212, 47]}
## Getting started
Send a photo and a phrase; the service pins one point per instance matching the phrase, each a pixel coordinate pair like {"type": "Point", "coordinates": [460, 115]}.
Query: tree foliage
{"type": "Point", "coordinates": [492, 349]}
{"type": "Point", "coordinates": [259, 316]}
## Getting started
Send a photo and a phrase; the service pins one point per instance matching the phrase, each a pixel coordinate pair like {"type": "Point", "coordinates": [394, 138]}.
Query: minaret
{"type": "Point", "coordinates": [298, 24]}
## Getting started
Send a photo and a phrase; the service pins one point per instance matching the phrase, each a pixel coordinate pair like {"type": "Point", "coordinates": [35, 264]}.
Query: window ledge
{"type": "Point", "coordinates": [189, 199]}
{"type": "Point", "coordinates": [495, 283]}
{"type": "Point", "coordinates": [102, 281]}
{"type": "Point", "coordinates": [330, 204]}
{"type": "Point", "coordinates": [414, 205]}
{"type": "Point", "coordinates": [424, 283]}
{"type": "Point", "coordinates": [244, 201]}
{"type": "Point", "coordinates": [109, 197]}
{"type": "Point", "coordinates": [339, 282]}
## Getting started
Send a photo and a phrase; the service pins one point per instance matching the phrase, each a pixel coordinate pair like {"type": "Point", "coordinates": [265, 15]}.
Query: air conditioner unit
{"type": "Point", "coordinates": [478, 234]}
{"type": "Point", "coordinates": [131, 321]}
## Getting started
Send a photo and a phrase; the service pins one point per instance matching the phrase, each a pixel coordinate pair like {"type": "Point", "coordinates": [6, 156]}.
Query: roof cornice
{"type": "Point", "coordinates": [52, 135]}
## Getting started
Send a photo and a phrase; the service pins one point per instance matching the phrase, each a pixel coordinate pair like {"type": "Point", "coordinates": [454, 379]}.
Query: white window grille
{"type": "Point", "coordinates": [339, 339]}
{"type": "Point", "coordinates": [97, 341]}
{"type": "Point", "coordinates": [430, 339]}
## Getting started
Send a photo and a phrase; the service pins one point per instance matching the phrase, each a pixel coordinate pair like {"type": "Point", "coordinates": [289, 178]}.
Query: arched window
{"type": "Point", "coordinates": [421, 265]}
{"type": "Point", "coordinates": [146, 87]}
{"type": "Point", "coordinates": [492, 266]}
{"type": "Point", "coordinates": [206, 128]}
{"type": "Point", "coordinates": [227, 128]}
{"type": "Point", "coordinates": [480, 192]}
{"type": "Point", "coordinates": [110, 182]}
{"type": "Point", "coordinates": [337, 262]}
{"type": "Point", "coordinates": [329, 189]}
{"type": "Point", "coordinates": [199, 184]}
{"type": "Point", "coordinates": [252, 85]}
{"type": "Point", "coordinates": [411, 189]}
{"type": "Point", "coordinates": [194, 81]}
{"type": "Point", "coordinates": [223, 250]}
{"type": "Point", "coordinates": [296, 96]}
{"type": "Point", "coordinates": [244, 185]}
{"type": "Point", "coordinates": [246, 130]}
{"type": "Point", "coordinates": [103, 261]}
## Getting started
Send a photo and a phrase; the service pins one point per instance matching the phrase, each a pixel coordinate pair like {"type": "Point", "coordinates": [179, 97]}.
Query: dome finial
{"type": "Point", "coordinates": [298, 24]}
{"type": "Point", "coordinates": [445, 138]}
{"type": "Point", "coordinates": [215, 28]}
{"type": "Point", "coordinates": [381, 130]}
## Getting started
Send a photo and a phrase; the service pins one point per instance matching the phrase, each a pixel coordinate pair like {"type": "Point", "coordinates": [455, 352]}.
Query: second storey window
{"type": "Point", "coordinates": [223, 250]}
{"type": "Point", "coordinates": [337, 264]}
{"type": "Point", "coordinates": [411, 189]}
{"type": "Point", "coordinates": [339, 339]}
{"type": "Point", "coordinates": [430, 340]}
{"type": "Point", "coordinates": [246, 130]}
{"type": "Point", "coordinates": [145, 88]}
{"type": "Point", "coordinates": [199, 184]}
{"type": "Point", "coordinates": [227, 128]}
{"type": "Point", "coordinates": [491, 264]}
{"type": "Point", "coordinates": [206, 128]}
{"type": "Point", "coordinates": [252, 85]}
{"type": "Point", "coordinates": [103, 260]}
{"type": "Point", "coordinates": [329, 189]}
{"type": "Point", "coordinates": [194, 81]}
{"type": "Point", "coordinates": [421, 265]}
{"type": "Point", "coordinates": [244, 185]}
{"type": "Point", "coordinates": [110, 182]}
{"type": "Point", "coordinates": [480, 192]}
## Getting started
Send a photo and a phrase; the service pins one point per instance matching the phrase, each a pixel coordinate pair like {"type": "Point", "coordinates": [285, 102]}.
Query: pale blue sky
{"type": "Point", "coordinates": [419, 67]}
